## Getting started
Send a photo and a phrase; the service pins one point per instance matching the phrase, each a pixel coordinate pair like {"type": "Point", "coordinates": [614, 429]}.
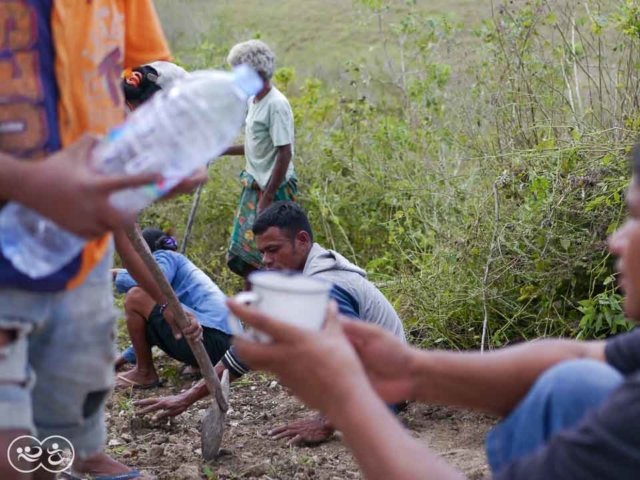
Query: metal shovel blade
{"type": "Point", "coordinates": [213, 424]}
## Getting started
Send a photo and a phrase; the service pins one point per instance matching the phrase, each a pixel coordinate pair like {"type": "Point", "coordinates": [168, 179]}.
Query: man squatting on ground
{"type": "Point", "coordinates": [285, 238]}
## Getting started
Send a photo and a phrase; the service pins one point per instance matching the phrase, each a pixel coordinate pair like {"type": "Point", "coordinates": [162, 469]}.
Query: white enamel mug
{"type": "Point", "coordinates": [292, 298]}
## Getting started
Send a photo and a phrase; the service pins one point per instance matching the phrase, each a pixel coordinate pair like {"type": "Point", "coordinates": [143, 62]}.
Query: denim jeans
{"type": "Point", "coordinates": [559, 400]}
{"type": "Point", "coordinates": [55, 376]}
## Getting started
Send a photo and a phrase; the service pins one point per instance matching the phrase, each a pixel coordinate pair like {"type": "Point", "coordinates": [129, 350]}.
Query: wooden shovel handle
{"type": "Point", "coordinates": [204, 362]}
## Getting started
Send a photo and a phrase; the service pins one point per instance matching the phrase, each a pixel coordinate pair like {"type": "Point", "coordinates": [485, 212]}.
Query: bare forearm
{"type": "Point", "coordinates": [382, 447]}
{"type": "Point", "coordinates": [235, 150]}
{"type": "Point", "coordinates": [200, 390]}
{"type": "Point", "coordinates": [13, 178]}
{"type": "Point", "coordinates": [279, 172]}
{"type": "Point", "coordinates": [197, 392]}
{"type": "Point", "coordinates": [136, 267]}
{"type": "Point", "coordinates": [494, 382]}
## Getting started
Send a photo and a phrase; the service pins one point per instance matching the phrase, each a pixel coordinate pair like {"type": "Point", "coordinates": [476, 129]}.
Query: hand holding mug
{"type": "Point", "coordinates": [294, 299]}
{"type": "Point", "coordinates": [320, 367]}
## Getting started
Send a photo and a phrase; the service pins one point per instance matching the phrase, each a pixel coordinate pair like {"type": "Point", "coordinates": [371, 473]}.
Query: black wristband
{"type": "Point", "coordinates": [163, 307]}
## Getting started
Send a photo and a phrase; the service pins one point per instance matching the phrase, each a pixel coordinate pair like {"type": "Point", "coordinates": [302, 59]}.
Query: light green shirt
{"type": "Point", "coordinates": [269, 125]}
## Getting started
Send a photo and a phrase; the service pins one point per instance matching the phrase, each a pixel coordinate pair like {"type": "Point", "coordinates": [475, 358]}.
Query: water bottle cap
{"type": "Point", "coordinates": [247, 80]}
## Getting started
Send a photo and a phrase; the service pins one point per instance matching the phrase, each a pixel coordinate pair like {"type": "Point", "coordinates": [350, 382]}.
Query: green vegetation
{"type": "Point", "coordinates": [474, 169]}
{"type": "Point", "coordinates": [315, 36]}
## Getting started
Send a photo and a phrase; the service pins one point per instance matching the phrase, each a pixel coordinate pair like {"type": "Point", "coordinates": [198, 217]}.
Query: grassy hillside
{"type": "Point", "coordinates": [315, 37]}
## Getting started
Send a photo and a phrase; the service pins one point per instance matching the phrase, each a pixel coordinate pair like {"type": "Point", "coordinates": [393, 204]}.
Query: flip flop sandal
{"type": "Point", "coordinates": [123, 476]}
{"type": "Point", "coordinates": [138, 386]}
{"type": "Point", "coordinates": [190, 375]}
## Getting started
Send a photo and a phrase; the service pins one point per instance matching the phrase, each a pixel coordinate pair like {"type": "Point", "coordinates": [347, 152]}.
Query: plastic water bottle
{"type": "Point", "coordinates": [176, 132]}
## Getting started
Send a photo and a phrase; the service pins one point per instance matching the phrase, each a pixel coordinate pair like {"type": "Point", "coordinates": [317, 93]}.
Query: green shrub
{"type": "Point", "coordinates": [477, 193]}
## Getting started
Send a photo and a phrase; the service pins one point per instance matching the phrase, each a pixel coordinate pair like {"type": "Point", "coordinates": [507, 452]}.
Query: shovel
{"type": "Point", "coordinates": [215, 416]}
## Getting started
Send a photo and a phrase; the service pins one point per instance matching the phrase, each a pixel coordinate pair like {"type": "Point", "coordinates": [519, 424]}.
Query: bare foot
{"type": "Point", "coordinates": [100, 465]}
{"type": "Point", "coordinates": [137, 378]}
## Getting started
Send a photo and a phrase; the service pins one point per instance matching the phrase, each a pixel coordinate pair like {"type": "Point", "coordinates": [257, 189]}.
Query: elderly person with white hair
{"type": "Point", "coordinates": [268, 148]}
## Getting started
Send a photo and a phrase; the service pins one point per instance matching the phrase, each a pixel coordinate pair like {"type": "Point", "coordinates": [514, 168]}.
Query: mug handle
{"type": "Point", "coordinates": [248, 298]}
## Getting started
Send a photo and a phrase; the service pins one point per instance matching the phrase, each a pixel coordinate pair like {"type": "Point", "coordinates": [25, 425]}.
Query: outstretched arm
{"type": "Point", "coordinates": [381, 445]}
{"type": "Point", "coordinates": [492, 382]}
{"type": "Point", "coordinates": [14, 175]}
{"type": "Point", "coordinates": [63, 188]}
{"type": "Point", "coordinates": [327, 375]}
{"type": "Point", "coordinates": [177, 404]}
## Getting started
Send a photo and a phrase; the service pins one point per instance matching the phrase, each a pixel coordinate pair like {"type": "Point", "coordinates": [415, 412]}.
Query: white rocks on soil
{"type": "Point", "coordinates": [187, 472]}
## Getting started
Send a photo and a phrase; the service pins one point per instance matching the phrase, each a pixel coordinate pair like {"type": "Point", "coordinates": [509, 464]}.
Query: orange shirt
{"type": "Point", "coordinates": [95, 40]}
{"type": "Point", "coordinates": [114, 35]}
{"type": "Point", "coordinates": [75, 51]}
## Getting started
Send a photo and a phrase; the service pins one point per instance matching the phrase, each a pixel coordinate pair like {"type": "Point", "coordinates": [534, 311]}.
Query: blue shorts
{"type": "Point", "coordinates": [57, 373]}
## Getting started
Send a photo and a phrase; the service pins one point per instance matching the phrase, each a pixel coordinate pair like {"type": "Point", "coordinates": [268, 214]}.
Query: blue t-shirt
{"type": "Point", "coordinates": [195, 290]}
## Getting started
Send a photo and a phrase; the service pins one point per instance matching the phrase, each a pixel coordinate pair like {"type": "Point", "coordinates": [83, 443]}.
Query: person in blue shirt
{"type": "Point", "coordinates": [285, 238]}
{"type": "Point", "coordinates": [201, 299]}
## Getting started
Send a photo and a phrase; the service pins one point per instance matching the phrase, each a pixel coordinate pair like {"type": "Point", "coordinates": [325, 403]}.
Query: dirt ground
{"type": "Point", "coordinates": [171, 450]}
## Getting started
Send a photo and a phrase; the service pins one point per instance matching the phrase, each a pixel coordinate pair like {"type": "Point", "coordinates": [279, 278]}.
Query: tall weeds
{"type": "Point", "coordinates": [477, 181]}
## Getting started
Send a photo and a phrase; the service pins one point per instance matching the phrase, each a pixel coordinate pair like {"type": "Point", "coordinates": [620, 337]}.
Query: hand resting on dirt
{"type": "Point", "coordinates": [171, 406]}
{"type": "Point", "coordinates": [306, 431]}
{"type": "Point", "coordinates": [176, 404]}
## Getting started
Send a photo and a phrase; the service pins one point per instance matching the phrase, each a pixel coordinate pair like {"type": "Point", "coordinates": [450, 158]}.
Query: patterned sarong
{"type": "Point", "coordinates": [243, 256]}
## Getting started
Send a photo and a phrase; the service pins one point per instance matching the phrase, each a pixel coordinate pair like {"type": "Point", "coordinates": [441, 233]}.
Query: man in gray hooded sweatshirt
{"type": "Point", "coordinates": [285, 238]}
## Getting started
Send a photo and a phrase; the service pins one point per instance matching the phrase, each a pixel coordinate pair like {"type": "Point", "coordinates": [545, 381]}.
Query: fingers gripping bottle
{"type": "Point", "coordinates": [174, 133]}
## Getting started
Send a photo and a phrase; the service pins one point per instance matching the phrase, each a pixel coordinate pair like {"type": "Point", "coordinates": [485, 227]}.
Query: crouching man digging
{"type": "Point", "coordinates": [285, 238]}
{"type": "Point", "coordinates": [201, 300]}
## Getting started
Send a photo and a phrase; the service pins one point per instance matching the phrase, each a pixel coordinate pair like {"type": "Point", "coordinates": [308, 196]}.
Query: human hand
{"type": "Point", "coordinates": [194, 331]}
{"type": "Point", "coordinates": [165, 406]}
{"type": "Point", "coordinates": [170, 318]}
{"type": "Point", "coordinates": [326, 371]}
{"type": "Point", "coordinates": [306, 431]}
{"type": "Point", "coordinates": [65, 189]}
{"type": "Point", "coordinates": [386, 359]}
